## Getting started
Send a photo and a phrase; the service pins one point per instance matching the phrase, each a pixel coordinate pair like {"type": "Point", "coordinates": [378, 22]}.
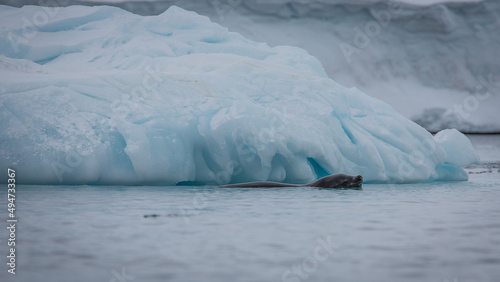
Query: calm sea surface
{"type": "Point", "coordinates": [443, 232]}
{"type": "Point", "coordinates": [425, 232]}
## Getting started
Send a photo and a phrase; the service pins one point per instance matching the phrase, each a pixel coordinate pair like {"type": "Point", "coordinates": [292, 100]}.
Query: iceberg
{"type": "Point", "coordinates": [98, 95]}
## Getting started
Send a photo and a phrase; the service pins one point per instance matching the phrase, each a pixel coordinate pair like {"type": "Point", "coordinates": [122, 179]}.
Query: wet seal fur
{"type": "Point", "coordinates": [331, 181]}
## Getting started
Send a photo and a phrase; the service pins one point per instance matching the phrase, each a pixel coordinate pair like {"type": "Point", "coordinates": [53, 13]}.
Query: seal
{"type": "Point", "coordinates": [331, 181]}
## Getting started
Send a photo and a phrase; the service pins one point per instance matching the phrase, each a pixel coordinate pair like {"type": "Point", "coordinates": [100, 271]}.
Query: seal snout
{"type": "Point", "coordinates": [358, 180]}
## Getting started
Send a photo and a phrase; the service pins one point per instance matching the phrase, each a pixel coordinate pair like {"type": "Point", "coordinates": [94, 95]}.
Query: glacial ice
{"type": "Point", "coordinates": [97, 95]}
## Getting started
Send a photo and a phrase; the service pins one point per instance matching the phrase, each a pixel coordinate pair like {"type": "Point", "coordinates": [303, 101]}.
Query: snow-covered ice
{"type": "Point", "coordinates": [99, 95]}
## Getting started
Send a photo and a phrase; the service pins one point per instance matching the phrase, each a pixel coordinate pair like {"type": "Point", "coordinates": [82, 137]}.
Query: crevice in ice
{"type": "Point", "coordinates": [92, 96]}
{"type": "Point", "coordinates": [120, 158]}
{"type": "Point", "coordinates": [348, 133]}
{"type": "Point", "coordinates": [377, 133]}
{"type": "Point", "coordinates": [318, 169]}
{"type": "Point", "coordinates": [47, 60]}
{"type": "Point", "coordinates": [190, 183]}
{"type": "Point", "coordinates": [207, 158]}
{"type": "Point", "coordinates": [143, 120]}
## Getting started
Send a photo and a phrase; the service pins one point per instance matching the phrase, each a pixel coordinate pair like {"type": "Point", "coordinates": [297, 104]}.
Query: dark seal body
{"type": "Point", "coordinates": [331, 181]}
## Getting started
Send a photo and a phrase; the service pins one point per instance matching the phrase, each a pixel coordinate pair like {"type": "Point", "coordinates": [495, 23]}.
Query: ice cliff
{"type": "Point", "coordinates": [98, 95]}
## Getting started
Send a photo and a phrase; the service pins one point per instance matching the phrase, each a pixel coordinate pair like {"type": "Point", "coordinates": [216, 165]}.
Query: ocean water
{"type": "Point", "coordinates": [445, 231]}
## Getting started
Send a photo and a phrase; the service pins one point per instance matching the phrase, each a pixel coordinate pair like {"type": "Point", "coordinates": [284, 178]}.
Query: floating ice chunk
{"type": "Point", "coordinates": [99, 95]}
{"type": "Point", "coordinates": [458, 148]}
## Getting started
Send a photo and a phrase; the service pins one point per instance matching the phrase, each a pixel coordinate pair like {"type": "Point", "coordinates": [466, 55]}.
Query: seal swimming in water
{"type": "Point", "coordinates": [332, 181]}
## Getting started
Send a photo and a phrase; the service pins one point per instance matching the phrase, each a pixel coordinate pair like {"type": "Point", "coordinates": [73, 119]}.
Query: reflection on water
{"type": "Point", "coordinates": [417, 232]}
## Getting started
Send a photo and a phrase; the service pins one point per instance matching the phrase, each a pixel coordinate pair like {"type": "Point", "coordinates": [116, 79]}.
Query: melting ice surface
{"type": "Point", "coordinates": [99, 95]}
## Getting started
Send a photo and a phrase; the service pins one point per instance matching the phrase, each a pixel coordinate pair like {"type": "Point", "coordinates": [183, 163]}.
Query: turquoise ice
{"type": "Point", "coordinates": [97, 95]}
